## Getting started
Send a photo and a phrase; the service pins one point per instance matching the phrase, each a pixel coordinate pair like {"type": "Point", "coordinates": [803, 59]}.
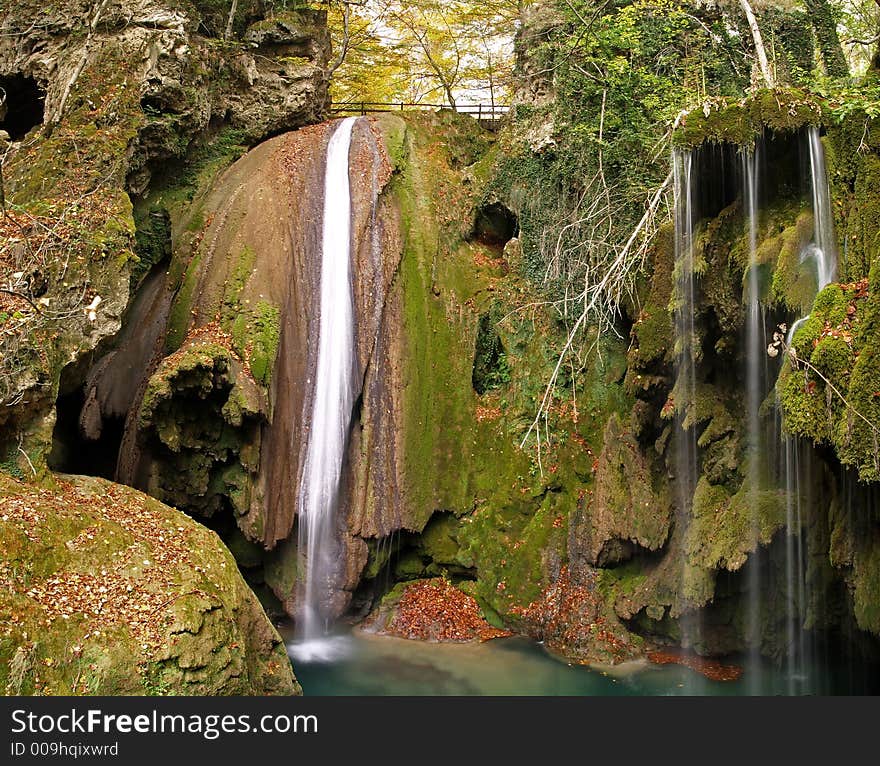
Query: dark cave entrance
{"type": "Point", "coordinates": [73, 451]}
{"type": "Point", "coordinates": [494, 226]}
{"type": "Point", "coordinates": [23, 104]}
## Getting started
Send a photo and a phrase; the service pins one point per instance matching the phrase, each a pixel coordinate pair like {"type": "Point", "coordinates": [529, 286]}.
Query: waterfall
{"type": "Point", "coordinates": [333, 399]}
{"type": "Point", "coordinates": [755, 389]}
{"type": "Point", "coordinates": [686, 469]}
{"type": "Point", "coordinates": [825, 244]}
{"type": "Point", "coordinates": [822, 250]}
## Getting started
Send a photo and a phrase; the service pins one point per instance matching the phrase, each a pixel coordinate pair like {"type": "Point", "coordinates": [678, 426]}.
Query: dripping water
{"type": "Point", "coordinates": [755, 383]}
{"type": "Point", "coordinates": [685, 388]}
{"type": "Point", "coordinates": [822, 251]}
{"type": "Point", "coordinates": [333, 402]}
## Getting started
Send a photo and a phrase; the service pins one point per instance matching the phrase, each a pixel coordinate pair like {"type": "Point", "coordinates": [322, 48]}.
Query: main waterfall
{"type": "Point", "coordinates": [333, 398]}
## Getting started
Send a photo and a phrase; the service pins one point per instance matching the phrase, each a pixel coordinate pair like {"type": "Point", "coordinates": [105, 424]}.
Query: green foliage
{"type": "Point", "coordinates": [490, 360]}
{"type": "Point", "coordinates": [621, 73]}
{"type": "Point", "coordinates": [858, 99]}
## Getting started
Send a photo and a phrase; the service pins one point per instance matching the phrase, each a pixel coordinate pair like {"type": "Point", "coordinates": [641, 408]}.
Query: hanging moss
{"type": "Point", "coordinates": [741, 122]}
{"type": "Point", "coordinates": [726, 528]}
{"type": "Point", "coordinates": [852, 149]}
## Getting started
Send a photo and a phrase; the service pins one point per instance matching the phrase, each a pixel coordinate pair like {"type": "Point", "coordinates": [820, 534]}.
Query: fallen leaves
{"type": "Point", "coordinates": [710, 668]}
{"type": "Point", "coordinates": [435, 610]}
{"type": "Point", "coordinates": [845, 330]}
{"type": "Point", "coordinates": [568, 617]}
{"type": "Point", "coordinates": [150, 550]}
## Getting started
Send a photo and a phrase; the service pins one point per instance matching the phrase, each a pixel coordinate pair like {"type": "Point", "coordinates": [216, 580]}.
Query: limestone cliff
{"type": "Point", "coordinates": [99, 96]}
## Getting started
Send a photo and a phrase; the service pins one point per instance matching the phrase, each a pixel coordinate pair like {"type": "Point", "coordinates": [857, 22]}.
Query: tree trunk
{"type": "Point", "coordinates": [760, 51]}
{"type": "Point", "coordinates": [228, 33]}
{"type": "Point", "coordinates": [826, 36]}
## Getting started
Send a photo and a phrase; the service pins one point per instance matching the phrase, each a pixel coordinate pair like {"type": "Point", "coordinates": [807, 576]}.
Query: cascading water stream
{"type": "Point", "coordinates": [333, 400]}
{"type": "Point", "coordinates": [755, 383]}
{"type": "Point", "coordinates": [822, 251]}
{"type": "Point", "coordinates": [823, 248]}
{"type": "Point", "coordinates": [685, 333]}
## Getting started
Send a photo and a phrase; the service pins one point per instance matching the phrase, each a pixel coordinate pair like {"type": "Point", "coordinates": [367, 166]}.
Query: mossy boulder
{"type": "Point", "coordinates": [199, 423]}
{"type": "Point", "coordinates": [107, 591]}
{"type": "Point", "coordinates": [725, 529]}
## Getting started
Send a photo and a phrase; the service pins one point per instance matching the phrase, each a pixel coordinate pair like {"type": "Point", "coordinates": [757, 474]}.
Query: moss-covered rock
{"type": "Point", "coordinates": [741, 122]}
{"type": "Point", "coordinates": [149, 93]}
{"type": "Point", "coordinates": [107, 591]}
{"type": "Point", "coordinates": [629, 507]}
{"type": "Point", "coordinates": [829, 385]}
{"type": "Point", "coordinates": [200, 420]}
{"type": "Point", "coordinates": [725, 529]}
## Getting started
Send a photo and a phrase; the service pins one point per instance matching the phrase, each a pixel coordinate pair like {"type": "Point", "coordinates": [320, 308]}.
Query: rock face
{"type": "Point", "coordinates": [107, 591]}
{"type": "Point", "coordinates": [222, 422]}
{"type": "Point", "coordinates": [625, 512]}
{"type": "Point", "coordinates": [269, 80]}
{"type": "Point", "coordinates": [114, 92]}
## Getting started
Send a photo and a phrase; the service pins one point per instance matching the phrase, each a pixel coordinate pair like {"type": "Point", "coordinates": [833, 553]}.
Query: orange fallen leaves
{"type": "Point", "coordinates": [711, 669]}
{"type": "Point", "coordinates": [435, 610]}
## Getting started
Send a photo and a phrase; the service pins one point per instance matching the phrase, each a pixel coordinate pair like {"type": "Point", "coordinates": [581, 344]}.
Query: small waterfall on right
{"type": "Point", "coordinates": [821, 252]}
{"type": "Point", "coordinates": [776, 605]}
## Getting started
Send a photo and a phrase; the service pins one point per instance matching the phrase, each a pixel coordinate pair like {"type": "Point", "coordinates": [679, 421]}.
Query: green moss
{"type": "Point", "coordinates": [206, 634]}
{"type": "Point", "coordinates": [741, 122]}
{"type": "Point", "coordinates": [394, 135]}
{"type": "Point", "coordinates": [241, 272]}
{"type": "Point", "coordinates": [263, 343]}
{"type": "Point", "coordinates": [851, 147]}
{"type": "Point", "coordinates": [834, 400]}
{"type": "Point", "coordinates": [203, 415]}
{"type": "Point", "coordinates": [180, 316]}
{"type": "Point", "coordinates": [725, 528]}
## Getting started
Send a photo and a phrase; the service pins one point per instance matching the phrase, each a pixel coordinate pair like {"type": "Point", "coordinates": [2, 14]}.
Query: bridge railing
{"type": "Point", "coordinates": [487, 114]}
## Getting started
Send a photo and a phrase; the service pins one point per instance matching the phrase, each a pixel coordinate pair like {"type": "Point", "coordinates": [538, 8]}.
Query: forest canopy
{"type": "Point", "coordinates": [436, 51]}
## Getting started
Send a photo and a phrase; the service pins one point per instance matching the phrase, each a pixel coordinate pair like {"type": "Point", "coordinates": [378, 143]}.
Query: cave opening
{"type": "Point", "coordinates": [494, 226]}
{"type": "Point", "coordinates": [74, 449]}
{"type": "Point", "coordinates": [22, 104]}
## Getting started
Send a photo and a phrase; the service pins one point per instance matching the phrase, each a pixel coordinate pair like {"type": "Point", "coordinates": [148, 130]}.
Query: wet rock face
{"type": "Point", "coordinates": [220, 425]}
{"type": "Point", "coordinates": [625, 511]}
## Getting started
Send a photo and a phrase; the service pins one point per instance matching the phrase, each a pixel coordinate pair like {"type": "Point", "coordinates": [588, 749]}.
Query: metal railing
{"type": "Point", "coordinates": [487, 114]}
